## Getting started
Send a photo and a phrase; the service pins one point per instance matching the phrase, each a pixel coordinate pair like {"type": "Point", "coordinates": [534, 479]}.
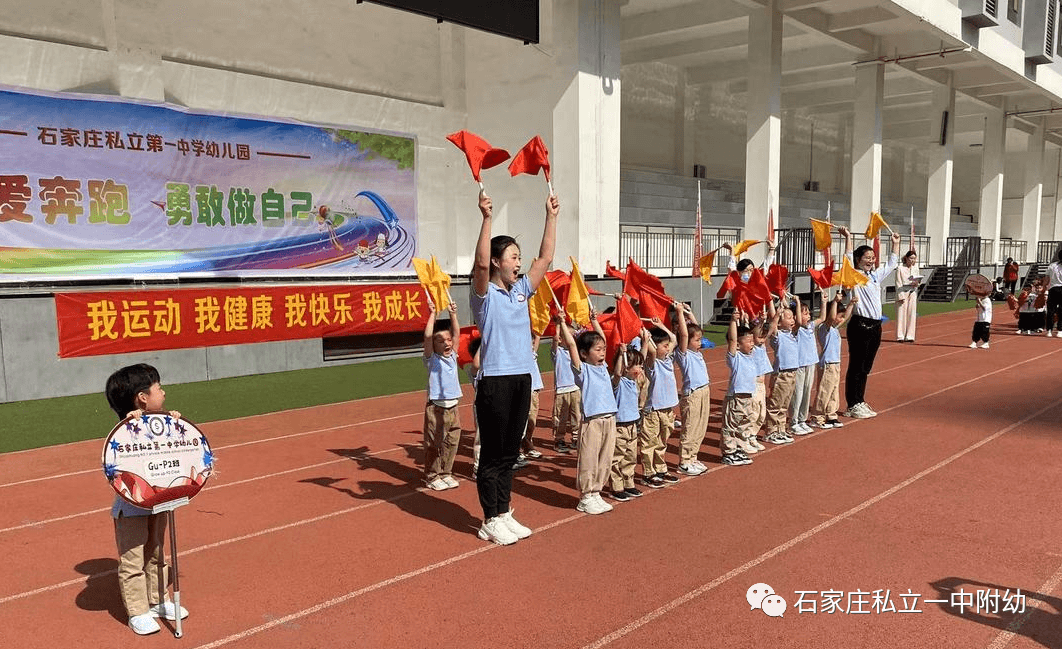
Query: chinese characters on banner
{"type": "Point", "coordinates": [92, 324]}
{"type": "Point", "coordinates": [97, 187]}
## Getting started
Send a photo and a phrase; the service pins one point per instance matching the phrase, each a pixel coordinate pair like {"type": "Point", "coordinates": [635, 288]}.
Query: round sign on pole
{"type": "Point", "coordinates": [978, 284]}
{"type": "Point", "coordinates": [155, 459]}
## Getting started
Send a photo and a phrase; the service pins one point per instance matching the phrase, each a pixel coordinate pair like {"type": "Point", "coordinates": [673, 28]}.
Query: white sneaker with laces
{"type": "Point", "coordinates": [588, 505]}
{"type": "Point", "coordinates": [496, 531]}
{"type": "Point", "coordinates": [870, 411]}
{"type": "Point", "coordinates": [450, 481]}
{"type": "Point", "coordinates": [168, 611]}
{"type": "Point", "coordinates": [518, 530]}
{"type": "Point", "coordinates": [984, 345]}
{"type": "Point", "coordinates": [973, 345]}
{"type": "Point", "coordinates": [144, 624]}
{"type": "Point", "coordinates": [604, 505]}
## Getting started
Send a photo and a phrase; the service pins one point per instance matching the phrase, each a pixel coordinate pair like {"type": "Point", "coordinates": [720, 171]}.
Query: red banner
{"type": "Point", "coordinates": [91, 324]}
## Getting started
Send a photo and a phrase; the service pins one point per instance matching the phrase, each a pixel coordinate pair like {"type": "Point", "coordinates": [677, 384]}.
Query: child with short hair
{"type": "Point", "coordinates": [567, 402]}
{"type": "Point", "coordinates": [761, 334]}
{"type": "Point", "coordinates": [828, 398]}
{"type": "Point", "coordinates": [982, 327]}
{"type": "Point", "coordinates": [695, 402]}
{"type": "Point", "coordinates": [597, 433]}
{"type": "Point", "coordinates": [738, 406]}
{"type": "Point", "coordinates": [1032, 309]}
{"type": "Point", "coordinates": [627, 371]}
{"type": "Point", "coordinates": [138, 533]}
{"type": "Point", "coordinates": [786, 362]}
{"type": "Point", "coordinates": [442, 426]}
{"type": "Point", "coordinates": [808, 353]}
{"type": "Point", "coordinates": [659, 421]}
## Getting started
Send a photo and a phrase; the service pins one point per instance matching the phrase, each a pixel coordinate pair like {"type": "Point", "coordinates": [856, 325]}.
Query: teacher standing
{"type": "Point", "coordinates": [864, 330]}
{"type": "Point", "coordinates": [499, 302]}
{"type": "Point", "coordinates": [907, 280]}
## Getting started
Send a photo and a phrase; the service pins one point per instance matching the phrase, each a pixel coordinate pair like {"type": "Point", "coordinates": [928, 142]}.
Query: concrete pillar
{"type": "Point", "coordinates": [685, 129]}
{"type": "Point", "coordinates": [940, 156]}
{"type": "Point", "coordinates": [866, 144]}
{"type": "Point", "coordinates": [1032, 191]}
{"type": "Point", "coordinates": [763, 143]}
{"type": "Point", "coordinates": [586, 138]}
{"type": "Point", "coordinates": [993, 153]}
{"type": "Point", "coordinates": [1055, 232]}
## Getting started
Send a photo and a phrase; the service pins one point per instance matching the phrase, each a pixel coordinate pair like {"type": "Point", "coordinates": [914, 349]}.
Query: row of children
{"type": "Point", "coordinates": [609, 409]}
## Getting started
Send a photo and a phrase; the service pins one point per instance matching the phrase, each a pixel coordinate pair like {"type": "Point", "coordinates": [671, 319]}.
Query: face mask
{"type": "Point", "coordinates": [745, 276]}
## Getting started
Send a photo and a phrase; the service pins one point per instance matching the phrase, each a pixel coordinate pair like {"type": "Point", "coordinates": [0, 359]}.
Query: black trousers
{"type": "Point", "coordinates": [1010, 284]}
{"type": "Point", "coordinates": [981, 331]}
{"type": "Point", "coordinates": [1054, 307]}
{"type": "Point", "coordinates": [502, 404]}
{"type": "Point", "coordinates": [1030, 320]}
{"type": "Point", "coordinates": [864, 338]}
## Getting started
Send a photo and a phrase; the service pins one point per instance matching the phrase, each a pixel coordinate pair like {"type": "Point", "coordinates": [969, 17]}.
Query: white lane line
{"type": "Point", "coordinates": [1038, 604]}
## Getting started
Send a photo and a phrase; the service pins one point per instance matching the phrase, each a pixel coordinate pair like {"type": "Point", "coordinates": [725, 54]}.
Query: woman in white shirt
{"type": "Point", "coordinates": [1054, 294]}
{"type": "Point", "coordinates": [864, 329]}
{"type": "Point", "coordinates": [907, 279]}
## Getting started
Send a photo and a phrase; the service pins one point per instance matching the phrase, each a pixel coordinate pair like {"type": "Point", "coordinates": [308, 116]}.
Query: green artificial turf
{"type": "Point", "coordinates": [45, 422]}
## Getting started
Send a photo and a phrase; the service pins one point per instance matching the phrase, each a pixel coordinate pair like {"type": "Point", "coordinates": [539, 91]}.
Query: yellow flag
{"type": "Point", "coordinates": [578, 306]}
{"type": "Point", "coordinates": [848, 276]}
{"type": "Point", "coordinates": [742, 246]}
{"type": "Point", "coordinates": [823, 238]}
{"type": "Point", "coordinates": [706, 265]}
{"type": "Point", "coordinates": [539, 307]}
{"type": "Point", "coordinates": [434, 281]}
{"type": "Point", "coordinates": [876, 224]}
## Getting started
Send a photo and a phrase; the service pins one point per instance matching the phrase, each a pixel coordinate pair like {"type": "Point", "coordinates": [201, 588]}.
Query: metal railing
{"type": "Point", "coordinates": [963, 252]}
{"type": "Point", "coordinates": [1046, 251]}
{"type": "Point", "coordinates": [667, 250]}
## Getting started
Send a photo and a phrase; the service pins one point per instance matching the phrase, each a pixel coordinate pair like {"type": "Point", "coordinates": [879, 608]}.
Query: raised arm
{"type": "Point", "coordinates": [481, 264]}
{"type": "Point", "coordinates": [660, 325]}
{"type": "Point", "coordinates": [731, 339]}
{"type": "Point", "coordinates": [851, 308]}
{"type": "Point", "coordinates": [455, 326]}
{"type": "Point", "coordinates": [774, 314]}
{"type": "Point", "coordinates": [569, 344]}
{"type": "Point", "coordinates": [619, 365]}
{"type": "Point", "coordinates": [429, 331]}
{"type": "Point", "coordinates": [847, 234]}
{"type": "Point", "coordinates": [649, 348]}
{"type": "Point", "coordinates": [683, 330]}
{"type": "Point", "coordinates": [823, 305]}
{"type": "Point", "coordinates": [595, 325]}
{"type": "Point", "coordinates": [549, 242]}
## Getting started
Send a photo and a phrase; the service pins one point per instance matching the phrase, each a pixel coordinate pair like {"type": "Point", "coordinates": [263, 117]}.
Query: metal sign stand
{"type": "Point", "coordinates": [168, 508]}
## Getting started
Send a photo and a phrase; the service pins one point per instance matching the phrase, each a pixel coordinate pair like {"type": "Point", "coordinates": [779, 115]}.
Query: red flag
{"type": "Point", "coordinates": [777, 278]}
{"type": "Point", "coordinates": [653, 300]}
{"type": "Point", "coordinates": [559, 281]}
{"type": "Point", "coordinates": [760, 289]}
{"type": "Point", "coordinates": [733, 278]}
{"type": "Point", "coordinates": [611, 271]}
{"type": "Point", "coordinates": [530, 159]}
{"type": "Point", "coordinates": [480, 154]}
{"type": "Point", "coordinates": [628, 322]}
{"type": "Point", "coordinates": [652, 305]}
{"type": "Point", "coordinates": [822, 278]}
{"type": "Point", "coordinates": [468, 334]}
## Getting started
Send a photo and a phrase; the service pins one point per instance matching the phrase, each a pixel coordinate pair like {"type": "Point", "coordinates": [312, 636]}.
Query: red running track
{"type": "Point", "coordinates": [317, 531]}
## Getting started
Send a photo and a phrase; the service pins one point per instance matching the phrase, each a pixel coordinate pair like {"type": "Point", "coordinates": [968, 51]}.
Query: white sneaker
{"type": "Point", "coordinates": [858, 411]}
{"type": "Point", "coordinates": [1048, 333]}
{"type": "Point", "coordinates": [144, 624]}
{"type": "Point", "coordinates": [697, 463]}
{"type": "Point", "coordinates": [747, 446]}
{"type": "Point", "coordinates": [690, 469]}
{"type": "Point", "coordinates": [984, 345]}
{"type": "Point", "coordinates": [974, 345]}
{"type": "Point", "coordinates": [870, 411]}
{"type": "Point", "coordinates": [588, 504]}
{"type": "Point", "coordinates": [756, 442]}
{"type": "Point", "coordinates": [520, 531]}
{"type": "Point", "coordinates": [450, 481]}
{"type": "Point", "coordinates": [605, 506]}
{"type": "Point", "coordinates": [167, 610]}
{"type": "Point", "coordinates": [496, 531]}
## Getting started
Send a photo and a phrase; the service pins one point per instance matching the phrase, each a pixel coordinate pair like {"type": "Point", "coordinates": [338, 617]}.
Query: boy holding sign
{"type": "Point", "coordinates": [140, 534]}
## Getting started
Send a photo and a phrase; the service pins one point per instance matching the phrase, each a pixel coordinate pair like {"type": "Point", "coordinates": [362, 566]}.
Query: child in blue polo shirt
{"type": "Point", "coordinates": [786, 362]}
{"type": "Point", "coordinates": [808, 352]}
{"type": "Point", "coordinates": [442, 427]}
{"type": "Point", "coordinates": [659, 420]}
{"type": "Point", "coordinates": [597, 433]}
{"type": "Point", "coordinates": [627, 374]}
{"type": "Point", "coordinates": [695, 402]}
{"type": "Point", "coordinates": [738, 407]}
{"type": "Point", "coordinates": [828, 397]}
{"type": "Point", "coordinates": [567, 402]}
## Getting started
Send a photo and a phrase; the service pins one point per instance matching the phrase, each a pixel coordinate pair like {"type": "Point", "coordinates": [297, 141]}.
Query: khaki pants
{"type": "Point", "coordinates": [778, 403]}
{"type": "Point", "coordinates": [442, 434]}
{"type": "Point", "coordinates": [140, 560]}
{"type": "Point", "coordinates": [597, 443]}
{"type": "Point", "coordinates": [625, 456]}
{"type": "Point", "coordinates": [828, 398]}
{"type": "Point", "coordinates": [567, 415]}
{"type": "Point", "coordinates": [759, 406]}
{"type": "Point", "coordinates": [657, 427]}
{"type": "Point", "coordinates": [694, 408]}
{"type": "Point", "coordinates": [801, 401]}
{"type": "Point", "coordinates": [528, 443]}
{"type": "Point", "coordinates": [737, 422]}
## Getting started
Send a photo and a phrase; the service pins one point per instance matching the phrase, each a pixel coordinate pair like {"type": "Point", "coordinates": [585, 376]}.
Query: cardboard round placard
{"type": "Point", "coordinates": [155, 459]}
{"type": "Point", "coordinates": [978, 284]}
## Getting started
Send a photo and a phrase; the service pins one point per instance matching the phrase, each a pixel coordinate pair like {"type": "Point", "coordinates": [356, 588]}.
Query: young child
{"type": "Point", "coordinates": [567, 402]}
{"type": "Point", "coordinates": [695, 401]}
{"type": "Point", "coordinates": [597, 433]}
{"type": "Point", "coordinates": [808, 354]}
{"type": "Point", "coordinates": [442, 426]}
{"type": "Point", "coordinates": [659, 421]}
{"type": "Point", "coordinates": [139, 534]}
{"type": "Point", "coordinates": [767, 329]}
{"type": "Point", "coordinates": [1032, 309]}
{"type": "Point", "coordinates": [786, 362]}
{"type": "Point", "coordinates": [828, 398]}
{"type": "Point", "coordinates": [983, 322]}
{"type": "Point", "coordinates": [738, 408]}
{"type": "Point", "coordinates": [627, 373]}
